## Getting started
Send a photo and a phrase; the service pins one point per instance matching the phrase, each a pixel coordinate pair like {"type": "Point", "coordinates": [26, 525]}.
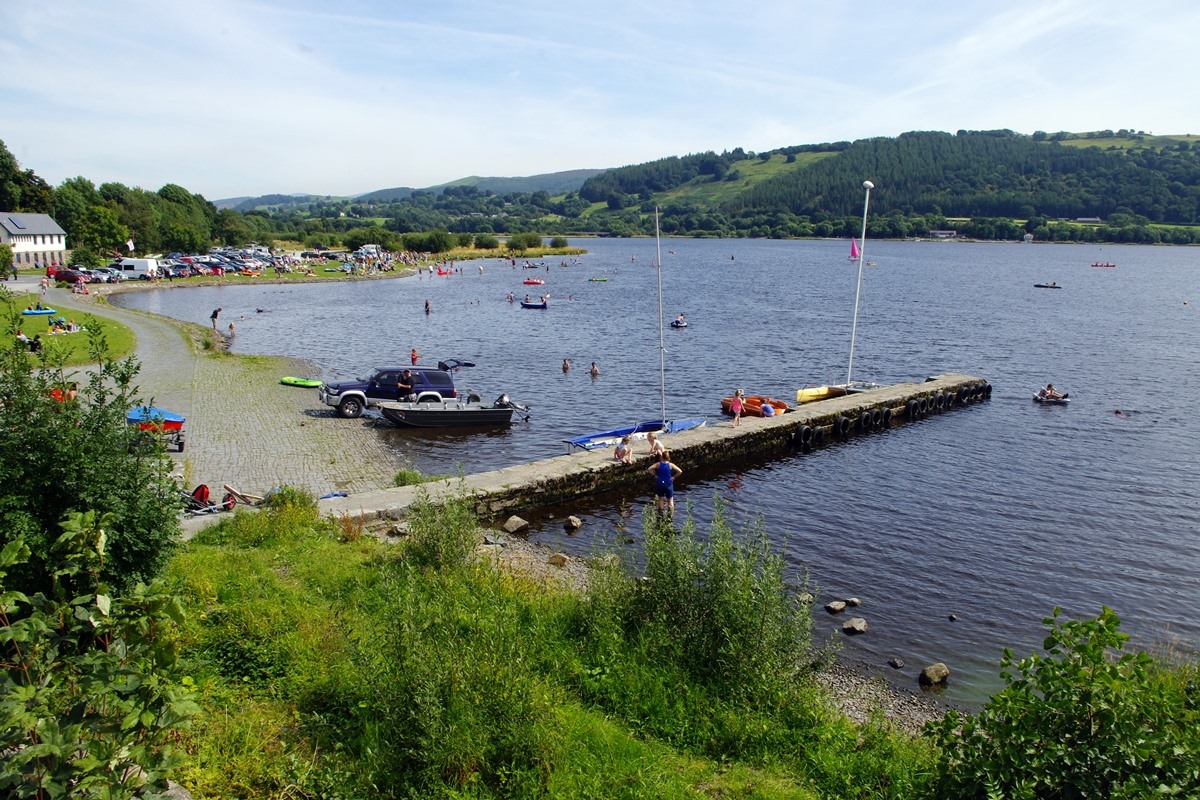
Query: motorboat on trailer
{"type": "Point", "coordinates": [452, 413]}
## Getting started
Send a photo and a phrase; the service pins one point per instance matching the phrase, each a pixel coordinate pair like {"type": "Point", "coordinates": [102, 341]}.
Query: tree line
{"type": "Point", "coordinates": [983, 184]}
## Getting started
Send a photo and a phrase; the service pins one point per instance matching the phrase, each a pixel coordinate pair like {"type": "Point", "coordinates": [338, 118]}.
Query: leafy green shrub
{"type": "Point", "coordinates": [451, 696]}
{"type": "Point", "coordinates": [558, 242]}
{"type": "Point", "coordinates": [1080, 721]}
{"type": "Point", "coordinates": [408, 477]}
{"type": "Point", "coordinates": [290, 497]}
{"type": "Point", "coordinates": [60, 455]}
{"type": "Point", "coordinates": [486, 241]}
{"type": "Point", "coordinates": [442, 534]}
{"type": "Point", "coordinates": [723, 609]}
{"type": "Point", "coordinates": [88, 706]}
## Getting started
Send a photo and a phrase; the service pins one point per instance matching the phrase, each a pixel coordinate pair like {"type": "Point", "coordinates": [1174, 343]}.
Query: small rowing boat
{"type": "Point", "coordinates": [1051, 285]}
{"type": "Point", "coordinates": [541, 305]}
{"type": "Point", "coordinates": [533, 282]}
{"type": "Point", "coordinates": [815, 393]}
{"type": "Point", "coordinates": [752, 406]}
{"type": "Point", "coordinates": [39, 312]}
{"type": "Point", "coordinates": [598, 280]}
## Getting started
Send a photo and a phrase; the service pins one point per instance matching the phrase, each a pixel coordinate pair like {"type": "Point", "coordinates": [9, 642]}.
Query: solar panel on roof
{"type": "Point", "coordinates": [17, 223]}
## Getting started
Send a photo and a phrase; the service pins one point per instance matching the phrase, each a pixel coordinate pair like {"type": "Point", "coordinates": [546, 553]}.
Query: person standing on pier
{"type": "Point", "coordinates": [664, 473]}
{"type": "Point", "coordinates": [736, 407]}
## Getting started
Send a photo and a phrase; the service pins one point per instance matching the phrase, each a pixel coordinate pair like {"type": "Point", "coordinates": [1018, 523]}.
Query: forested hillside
{"type": "Point", "coordinates": [989, 175]}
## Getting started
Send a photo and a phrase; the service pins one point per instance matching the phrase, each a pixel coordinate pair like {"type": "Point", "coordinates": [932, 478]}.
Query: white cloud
{"type": "Point", "coordinates": [229, 97]}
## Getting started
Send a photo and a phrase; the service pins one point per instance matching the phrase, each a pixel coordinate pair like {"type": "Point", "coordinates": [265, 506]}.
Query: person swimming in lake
{"type": "Point", "coordinates": [595, 370]}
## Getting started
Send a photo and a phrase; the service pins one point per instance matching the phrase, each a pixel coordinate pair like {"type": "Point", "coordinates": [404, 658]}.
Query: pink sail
{"type": "Point", "coordinates": [854, 250]}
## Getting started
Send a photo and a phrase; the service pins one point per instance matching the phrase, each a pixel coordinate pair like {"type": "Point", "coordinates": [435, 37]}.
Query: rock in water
{"type": "Point", "coordinates": [896, 663]}
{"type": "Point", "coordinates": [854, 626]}
{"type": "Point", "coordinates": [934, 674]}
{"type": "Point", "coordinates": [835, 607]}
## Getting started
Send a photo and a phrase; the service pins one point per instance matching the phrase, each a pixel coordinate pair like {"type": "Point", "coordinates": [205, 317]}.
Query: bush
{"type": "Point", "coordinates": [558, 242]}
{"type": "Point", "coordinates": [62, 455]}
{"type": "Point", "coordinates": [486, 241]}
{"type": "Point", "coordinates": [442, 535]}
{"type": "Point", "coordinates": [725, 609]}
{"type": "Point", "coordinates": [451, 699]}
{"type": "Point", "coordinates": [1080, 721]}
{"type": "Point", "coordinates": [88, 707]}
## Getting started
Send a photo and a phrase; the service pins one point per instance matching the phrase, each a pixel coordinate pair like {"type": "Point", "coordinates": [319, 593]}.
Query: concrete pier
{"type": "Point", "coordinates": [553, 480]}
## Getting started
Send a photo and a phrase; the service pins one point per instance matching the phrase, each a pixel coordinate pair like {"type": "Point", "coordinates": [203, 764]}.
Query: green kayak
{"type": "Point", "coordinates": [307, 383]}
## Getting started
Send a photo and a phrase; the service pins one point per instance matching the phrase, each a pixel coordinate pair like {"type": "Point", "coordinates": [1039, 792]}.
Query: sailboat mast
{"type": "Point", "coordinates": [662, 350]}
{"type": "Point", "coordinates": [862, 259]}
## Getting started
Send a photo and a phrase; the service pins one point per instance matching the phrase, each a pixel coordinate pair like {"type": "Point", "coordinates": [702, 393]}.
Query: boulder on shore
{"type": "Point", "coordinates": [934, 674]}
{"type": "Point", "coordinates": [573, 523]}
{"type": "Point", "coordinates": [515, 524]}
{"type": "Point", "coordinates": [558, 559]}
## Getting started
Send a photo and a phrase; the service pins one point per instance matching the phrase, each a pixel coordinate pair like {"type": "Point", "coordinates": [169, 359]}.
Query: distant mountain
{"type": "Point", "coordinates": [553, 183]}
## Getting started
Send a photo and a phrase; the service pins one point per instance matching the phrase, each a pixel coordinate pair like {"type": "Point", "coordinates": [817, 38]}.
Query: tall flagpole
{"type": "Point", "coordinates": [862, 259]}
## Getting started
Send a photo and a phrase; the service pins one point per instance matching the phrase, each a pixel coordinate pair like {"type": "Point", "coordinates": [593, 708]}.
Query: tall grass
{"type": "Point", "coordinates": [330, 668]}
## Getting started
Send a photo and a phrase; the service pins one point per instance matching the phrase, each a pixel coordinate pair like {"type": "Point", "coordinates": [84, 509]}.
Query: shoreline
{"type": "Point", "coordinates": [858, 689]}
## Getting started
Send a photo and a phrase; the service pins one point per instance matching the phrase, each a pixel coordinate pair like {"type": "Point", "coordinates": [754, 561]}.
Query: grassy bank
{"type": "Point", "coordinates": [72, 347]}
{"type": "Point", "coordinates": [332, 665]}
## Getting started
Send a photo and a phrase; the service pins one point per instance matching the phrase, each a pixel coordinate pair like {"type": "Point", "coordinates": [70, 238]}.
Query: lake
{"type": "Point", "coordinates": [995, 513]}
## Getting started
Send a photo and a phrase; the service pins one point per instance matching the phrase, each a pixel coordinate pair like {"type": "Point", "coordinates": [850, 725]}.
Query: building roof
{"type": "Point", "coordinates": [18, 224]}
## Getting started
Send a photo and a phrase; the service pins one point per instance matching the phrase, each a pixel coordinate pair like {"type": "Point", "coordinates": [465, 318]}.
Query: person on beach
{"type": "Point", "coordinates": [664, 473]}
{"type": "Point", "coordinates": [736, 407]}
{"type": "Point", "coordinates": [657, 448]}
{"type": "Point", "coordinates": [768, 410]}
{"type": "Point", "coordinates": [595, 370]}
{"type": "Point", "coordinates": [624, 451]}
{"type": "Point", "coordinates": [216, 313]}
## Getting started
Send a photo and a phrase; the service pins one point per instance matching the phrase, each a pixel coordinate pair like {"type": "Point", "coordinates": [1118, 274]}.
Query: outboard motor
{"type": "Point", "coordinates": [504, 401]}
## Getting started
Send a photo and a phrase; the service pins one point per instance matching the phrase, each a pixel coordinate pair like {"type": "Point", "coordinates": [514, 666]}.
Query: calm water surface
{"type": "Point", "coordinates": [996, 513]}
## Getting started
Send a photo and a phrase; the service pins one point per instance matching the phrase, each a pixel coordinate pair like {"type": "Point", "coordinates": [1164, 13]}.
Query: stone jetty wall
{"type": "Point", "coordinates": [555, 480]}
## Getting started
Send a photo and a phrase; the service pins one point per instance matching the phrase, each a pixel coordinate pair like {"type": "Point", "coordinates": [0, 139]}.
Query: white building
{"type": "Point", "coordinates": [34, 239]}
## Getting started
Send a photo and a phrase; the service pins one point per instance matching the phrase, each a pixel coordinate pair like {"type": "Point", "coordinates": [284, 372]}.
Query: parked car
{"type": "Point", "coordinates": [107, 274]}
{"type": "Point", "coordinates": [71, 276]}
{"type": "Point", "coordinates": [351, 397]}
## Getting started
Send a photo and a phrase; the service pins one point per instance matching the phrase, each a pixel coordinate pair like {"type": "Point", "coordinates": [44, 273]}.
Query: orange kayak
{"type": "Point", "coordinates": [752, 405]}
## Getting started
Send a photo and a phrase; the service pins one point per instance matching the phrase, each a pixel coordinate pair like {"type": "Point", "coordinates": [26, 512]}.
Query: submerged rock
{"type": "Point", "coordinates": [934, 674]}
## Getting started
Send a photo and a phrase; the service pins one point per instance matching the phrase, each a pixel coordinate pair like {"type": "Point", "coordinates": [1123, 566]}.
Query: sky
{"type": "Point", "coordinates": [230, 97]}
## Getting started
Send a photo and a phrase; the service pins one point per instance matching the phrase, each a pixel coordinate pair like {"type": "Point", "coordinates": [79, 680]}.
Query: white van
{"type": "Point", "coordinates": [137, 268]}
